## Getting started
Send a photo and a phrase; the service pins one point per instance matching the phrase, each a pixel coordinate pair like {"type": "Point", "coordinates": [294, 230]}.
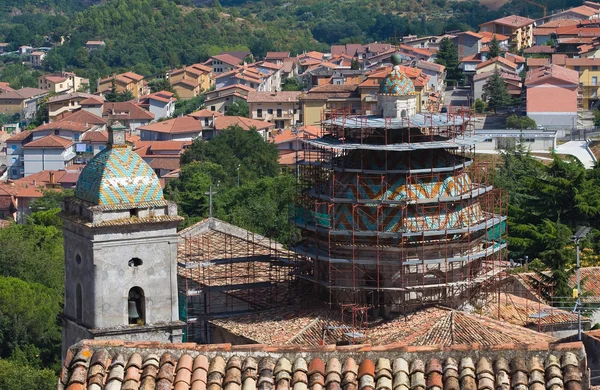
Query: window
{"type": "Point", "coordinates": [135, 262]}
{"type": "Point", "coordinates": [79, 303]}
{"type": "Point", "coordinates": [14, 172]}
{"type": "Point", "coordinates": [577, 68]}
{"type": "Point", "coordinates": [594, 67]}
{"type": "Point", "coordinates": [14, 160]}
{"type": "Point", "coordinates": [530, 140]}
{"type": "Point", "coordinates": [56, 132]}
{"type": "Point", "coordinates": [279, 113]}
{"type": "Point", "coordinates": [78, 259]}
{"type": "Point", "coordinates": [205, 121]}
{"type": "Point", "coordinates": [13, 147]}
{"type": "Point", "coordinates": [259, 113]}
{"type": "Point", "coordinates": [488, 140]}
{"type": "Point", "coordinates": [212, 108]}
{"type": "Point", "coordinates": [594, 80]}
{"type": "Point", "coordinates": [101, 147]}
{"type": "Point", "coordinates": [76, 137]}
{"type": "Point", "coordinates": [270, 111]}
{"type": "Point", "coordinates": [136, 306]}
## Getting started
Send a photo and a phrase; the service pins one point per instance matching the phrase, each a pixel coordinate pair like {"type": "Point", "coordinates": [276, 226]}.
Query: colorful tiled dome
{"type": "Point", "coordinates": [397, 83]}
{"type": "Point", "coordinates": [118, 175]}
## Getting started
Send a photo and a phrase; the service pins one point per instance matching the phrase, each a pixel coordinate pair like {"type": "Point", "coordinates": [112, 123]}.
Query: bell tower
{"type": "Point", "coordinates": [120, 244]}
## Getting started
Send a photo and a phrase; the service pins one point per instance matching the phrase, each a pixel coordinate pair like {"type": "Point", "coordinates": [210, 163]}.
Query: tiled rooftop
{"type": "Point", "coordinates": [432, 326]}
{"type": "Point", "coordinates": [114, 365]}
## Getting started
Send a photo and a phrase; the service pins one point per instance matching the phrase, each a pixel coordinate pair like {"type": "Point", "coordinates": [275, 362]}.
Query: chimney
{"type": "Point", "coordinates": [34, 182]}
{"type": "Point", "coordinates": [51, 177]}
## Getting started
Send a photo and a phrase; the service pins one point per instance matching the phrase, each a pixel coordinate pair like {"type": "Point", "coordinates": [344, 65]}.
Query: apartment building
{"type": "Point", "coordinates": [280, 108]}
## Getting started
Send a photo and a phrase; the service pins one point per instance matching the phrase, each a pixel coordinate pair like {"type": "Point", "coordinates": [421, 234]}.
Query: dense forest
{"type": "Point", "coordinates": [150, 36]}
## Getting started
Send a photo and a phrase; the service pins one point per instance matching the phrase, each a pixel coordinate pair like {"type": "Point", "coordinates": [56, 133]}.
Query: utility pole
{"type": "Point", "coordinates": [295, 132]}
{"type": "Point", "coordinates": [238, 172]}
{"type": "Point", "coordinates": [581, 233]}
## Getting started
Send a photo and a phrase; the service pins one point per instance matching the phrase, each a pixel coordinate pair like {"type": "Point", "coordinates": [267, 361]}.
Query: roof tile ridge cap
{"type": "Point", "coordinates": [303, 330]}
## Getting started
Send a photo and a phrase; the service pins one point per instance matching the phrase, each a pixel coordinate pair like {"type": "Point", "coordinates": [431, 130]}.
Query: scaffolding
{"type": "Point", "coordinates": [224, 270]}
{"type": "Point", "coordinates": [395, 214]}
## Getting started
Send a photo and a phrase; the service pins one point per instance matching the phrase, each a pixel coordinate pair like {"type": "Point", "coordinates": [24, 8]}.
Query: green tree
{"type": "Point", "coordinates": [291, 84]}
{"type": "Point", "coordinates": [354, 64]}
{"type": "Point", "coordinates": [479, 106]}
{"type": "Point", "coordinates": [494, 46]}
{"type": "Point", "coordinates": [114, 96]}
{"type": "Point", "coordinates": [596, 117]}
{"type": "Point", "coordinates": [158, 85]}
{"type": "Point", "coordinates": [495, 92]}
{"type": "Point", "coordinates": [520, 122]}
{"type": "Point", "coordinates": [18, 376]}
{"type": "Point", "coordinates": [447, 55]}
{"type": "Point", "coordinates": [239, 108]}
{"type": "Point", "coordinates": [29, 322]}
{"type": "Point", "coordinates": [233, 148]}
{"type": "Point", "coordinates": [187, 106]}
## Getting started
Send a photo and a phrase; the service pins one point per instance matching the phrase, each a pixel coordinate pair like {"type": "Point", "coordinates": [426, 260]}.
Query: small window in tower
{"type": "Point", "coordinates": [136, 306]}
{"type": "Point", "coordinates": [135, 262]}
{"type": "Point", "coordinates": [78, 259]}
{"type": "Point", "coordinates": [79, 303]}
{"type": "Point", "coordinates": [133, 212]}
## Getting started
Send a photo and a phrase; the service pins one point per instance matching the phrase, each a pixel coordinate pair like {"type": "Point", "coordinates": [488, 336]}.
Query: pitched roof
{"type": "Point", "coordinates": [50, 142]}
{"type": "Point", "coordinates": [511, 21]}
{"type": "Point", "coordinates": [95, 136]}
{"type": "Point", "coordinates": [275, 55]}
{"type": "Point", "coordinates": [184, 124]}
{"type": "Point", "coordinates": [432, 326]}
{"type": "Point", "coordinates": [118, 365]}
{"type": "Point", "coordinates": [92, 101]}
{"type": "Point", "coordinates": [205, 113]}
{"type": "Point", "coordinates": [431, 66]}
{"type": "Point", "coordinates": [69, 96]}
{"type": "Point", "coordinates": [164, 163]}
{"type": "Point", "coordinates": [497, 59]}
{"type": "Point", "coordinates": [228, 59]}
{"type": "Point", "coordinates": [64, 124]}
{"type": "Point", "coordinates": [543, 73]}
{"type": "Point", "coordinates": [223, 122]}
{"type": "Point", "coordinates": [472, 58]}
{"type": "Point", "coordinates": [28, 92]}
{"type": "Point", "coordinates": [533, 62]}
{"type": "Point", "coordinates": [543, 49]}
{"type": "Point", "coordinates": [125, 111]}
{"type": "Point", "coordinates": [525, 312]}
{"type": "Point", "coordinates": [273, 97]}
{"type": "Point", "coordinates": [83, 116]}
{"type": "Point", "coordinates": [186, 82]}
{"type": "Point", "coordinates": [19, 136]}
{"type": "Point", "coordinates": [488, 36]}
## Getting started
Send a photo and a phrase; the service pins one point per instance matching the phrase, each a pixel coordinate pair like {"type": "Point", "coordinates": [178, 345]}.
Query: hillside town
{"type": "Point", "coordinates": [419, 215]}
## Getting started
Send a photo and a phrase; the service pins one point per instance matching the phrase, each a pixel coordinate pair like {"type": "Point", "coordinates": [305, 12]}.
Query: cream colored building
{"type": "Point", "coordinates": [518, 28]}
{"type": "Point", "coordinates": [127, 81]}
{"type": "Point", "coordinates": [65, 82]}
{"type": "Point", "coordinates": [279, 108]}
{"type": "Point", "coordinates": [190, 81]}
{"type": "Point", "coordinates": [219, 99]}
{"type": "Point", "coordinates": [321, 101]}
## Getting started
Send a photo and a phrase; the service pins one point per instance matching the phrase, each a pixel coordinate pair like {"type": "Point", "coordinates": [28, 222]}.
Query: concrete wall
{"type": "Point", "coordinates": [566, 119]}
{"type": "Point", "coordinates": [37, 160]}
{"type": "Point", "coordinates": [160, 109]}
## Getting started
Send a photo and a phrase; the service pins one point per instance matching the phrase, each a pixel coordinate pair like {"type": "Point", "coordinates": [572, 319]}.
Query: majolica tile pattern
{"type": "Point", "coordinates": [396, 83]}
{"type": "Point", "coordinates": [118, 175]}
{"type": "Point", "coordinates": [98, 369]}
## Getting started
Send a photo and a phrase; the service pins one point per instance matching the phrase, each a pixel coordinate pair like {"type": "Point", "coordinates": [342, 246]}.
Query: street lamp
{"type": "Point", "coordinates": [238, 172]}
{"type": "Point", "coordinates": [581, 233]}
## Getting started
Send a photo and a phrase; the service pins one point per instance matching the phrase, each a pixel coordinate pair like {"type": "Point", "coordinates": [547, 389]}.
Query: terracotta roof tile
{"type": "Point", "coordinates": [185, 124]}
{"type": "Point", "coordinates": [275, 97]}
{"type": "Point", "coordinates": [228, 59]}
{"type": "Point", "coordinates": [222, 122]}
{"type": "Point", "coordinates": [205, 113]}
{"type": "Point", "coordinates": [85, 117]}
{"type": "Point", "coordinates": [512, 21]}
{"type": "Point", "coordinates": [50, 141]}
{"type": "Point", "coordinates": [125, 111]}
{"type": "Point", "coordinates": [185, 366]}
{"type": "Point", "coordinates": [497, 59]}
{"type": "Point", "coordinates": [545, 72]}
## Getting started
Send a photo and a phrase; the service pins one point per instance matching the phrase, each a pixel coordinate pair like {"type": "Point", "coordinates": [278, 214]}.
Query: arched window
{"type": "Point", "coordinates": [403, 114]}
{"type": "Point", "coordinates": [78, 258]}
{"type": "Point", "coordinates": [79, 303]}
{"type": "Point", "coordinates": [136, 306]}
{"type": "Point", "coordinates": [135, 262]}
